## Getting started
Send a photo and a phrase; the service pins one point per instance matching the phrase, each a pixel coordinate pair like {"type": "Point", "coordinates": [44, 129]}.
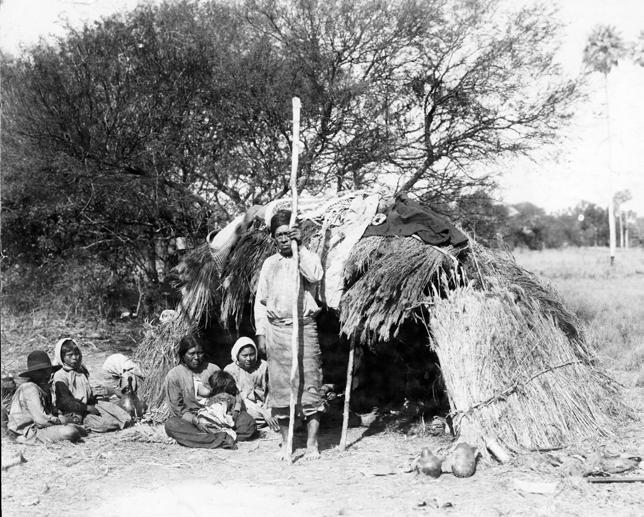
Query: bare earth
{"type": "Point", "coordinates": [117, 475]}
{"type": "Point", "coordinates": [125, 473]}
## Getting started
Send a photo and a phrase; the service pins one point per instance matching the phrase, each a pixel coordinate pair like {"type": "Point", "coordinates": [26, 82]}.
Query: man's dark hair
{"type": "Point", "coordinates": [280, 218]}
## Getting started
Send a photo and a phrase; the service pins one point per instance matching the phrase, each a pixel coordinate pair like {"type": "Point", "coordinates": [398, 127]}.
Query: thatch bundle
{"type": "Point", "coordinates": [512, 374]}
{"type": "Point", "coordinates": [515, 361]}
{"type": "Point", "coordinates": [157, 354]}
{"type": "Point", "coordinates": [386, 279]}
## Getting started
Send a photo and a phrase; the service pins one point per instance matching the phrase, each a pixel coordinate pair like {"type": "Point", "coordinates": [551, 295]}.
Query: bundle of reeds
{"type": "Point", "coordinates": [157, 354]}
{"type": "Point", "coordinates": [239, 278]}
{"type": "Point", "coordinates": [199, 283]}
{"type": "Point", "coordinates": [514, 376]}
{"type": "Point", "coordinates": [495, 269]}
{"type": "Point", "coordinates": [391, 278]}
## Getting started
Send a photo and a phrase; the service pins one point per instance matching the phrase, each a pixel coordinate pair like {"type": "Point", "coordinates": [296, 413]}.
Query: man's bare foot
{"type": "Point", "coordinates": [312, 453]}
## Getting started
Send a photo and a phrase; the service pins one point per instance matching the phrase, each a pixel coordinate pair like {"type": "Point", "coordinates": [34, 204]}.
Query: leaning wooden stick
{"type": "Point", "coordinates": [296, 260]}
{"type": "Point", "coordinates": [347, 397]}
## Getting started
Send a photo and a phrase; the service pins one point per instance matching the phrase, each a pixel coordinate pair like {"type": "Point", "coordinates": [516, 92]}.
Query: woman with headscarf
{"type": "Point", "coordinates": [274, 300]}
{"type": "Point", "coordinates": [251, 376]}
{"type": "Point", "coordinates": [185, 384]}
{"type": "Point", "coordinates": [123, 372]}
{"type": "Point", "coordinates": [74, 395]}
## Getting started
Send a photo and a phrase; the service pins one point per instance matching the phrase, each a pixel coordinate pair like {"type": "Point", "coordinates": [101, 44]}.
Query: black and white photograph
{"type": "Point", "coordinates": [322, 258]}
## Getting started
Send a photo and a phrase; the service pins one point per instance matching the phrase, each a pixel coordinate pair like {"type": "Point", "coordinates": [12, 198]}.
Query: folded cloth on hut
{"type": "Point", "coordinates": [341, 230]}
{"type": "Point", "coordinates": [308, 378]}
{"type": "Point", "coordinates": [221, 242]}
{"type": "Point", "coordinates": [407, 217]}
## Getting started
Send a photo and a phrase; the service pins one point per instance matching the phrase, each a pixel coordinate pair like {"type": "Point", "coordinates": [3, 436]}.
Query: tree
{"type": "Point", "coordinates": [126, 116]}
{"type": "Point", "coordinates": [637, 49]}
{"type": "Point", "coordinates": [156, 123]}
{"type": "Point", "coordinates": [484, 84]}
{"type": "Point", "coordinates": [418, 93]}
{"type": "Point", "coordinates": [602, 52]}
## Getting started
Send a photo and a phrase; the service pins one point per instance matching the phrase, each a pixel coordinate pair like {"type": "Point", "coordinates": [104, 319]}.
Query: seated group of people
{"type": "Point", "coordinates": [57, 402]}
{"type": "Point", "coordinates": [209, 407]}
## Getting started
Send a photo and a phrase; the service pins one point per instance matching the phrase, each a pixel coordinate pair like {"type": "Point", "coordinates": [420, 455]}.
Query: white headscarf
{"type": "Point", "coordinates": [239, 344]}
{"type": "Point", "coordinates": [76, 380]}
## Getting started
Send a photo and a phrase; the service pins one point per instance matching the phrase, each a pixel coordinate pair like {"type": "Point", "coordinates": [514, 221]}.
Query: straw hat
{"type": "Point", "coordinates": [38, 360]}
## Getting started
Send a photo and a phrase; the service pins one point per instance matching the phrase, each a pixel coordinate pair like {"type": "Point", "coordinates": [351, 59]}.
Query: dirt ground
{"type": "Point", "coordinates": [136, 472]}
{"type": "Point", "coordinates": [133, 473]}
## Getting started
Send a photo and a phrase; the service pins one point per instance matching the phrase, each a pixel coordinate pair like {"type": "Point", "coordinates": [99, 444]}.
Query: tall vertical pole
{"type": "Point", "coordinates": [296, 260]}
{"type": "Point", "coordinates": [611, 201]}
{"type": "Point", "coordinates": [347, 396]}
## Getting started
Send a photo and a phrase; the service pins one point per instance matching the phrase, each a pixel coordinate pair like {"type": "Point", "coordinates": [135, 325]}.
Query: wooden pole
{"type": "Point", "coordinates": [296, 260]}
{"type": "Point", "coordinates": [611, 201]}
{"type": "Point", "coordinates": [347, 397]}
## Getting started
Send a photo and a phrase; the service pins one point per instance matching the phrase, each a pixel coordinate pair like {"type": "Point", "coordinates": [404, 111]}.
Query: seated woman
{"type": "Point", "coordinates": [32, 414]}
{"type": "Point", "coordinates": [185, 385]}
{"type": "Point", "coordinates": [74, 395]}
{"type": "Point", "coordinates": [120, 369]}
{"type": "Point", "coordinates": [251, 376]}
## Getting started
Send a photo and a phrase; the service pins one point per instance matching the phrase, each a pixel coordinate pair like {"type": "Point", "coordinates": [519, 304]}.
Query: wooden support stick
{"type": "Point", "coordinates": [347, 397]}
{"type": "Point", "coordinates": [630, 479]}
{"type": "Point", "coordinates": [296, 259]}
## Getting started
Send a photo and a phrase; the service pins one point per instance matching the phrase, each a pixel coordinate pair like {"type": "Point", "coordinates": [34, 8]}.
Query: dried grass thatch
{"type": "Point", "coordinates": [200, 279]}
{"type": "Point", "coordinates": [387, 278]}
{"type": "Point", "coordinates": [498, 270]}
{"type": "Point", "coordinates": [515, 360]}
{"type": "Point", "coordinates": [157, 354]}
{"type": "Point", "coordinates": [239, 278]}
{"type": "Point", "coordinates": [512, 374]}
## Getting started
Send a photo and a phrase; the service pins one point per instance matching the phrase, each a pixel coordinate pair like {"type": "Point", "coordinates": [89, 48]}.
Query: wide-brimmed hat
{"type": "Point", "coordinates": [38, 360]}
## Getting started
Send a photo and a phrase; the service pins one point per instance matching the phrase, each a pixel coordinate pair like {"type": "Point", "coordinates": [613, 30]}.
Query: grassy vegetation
{"type": "Point", "coordinates": [609, 300]}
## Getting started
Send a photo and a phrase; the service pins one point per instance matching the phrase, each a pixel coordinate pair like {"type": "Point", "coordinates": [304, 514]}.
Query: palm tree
{"type": "Point", "coordinates": [637, 50]}
{"type": "Point", "coordinates": [602, 52]}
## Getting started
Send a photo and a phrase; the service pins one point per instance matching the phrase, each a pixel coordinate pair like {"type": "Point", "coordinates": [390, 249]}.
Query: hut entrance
{"type": "Point", "coordinates": [390, 375]}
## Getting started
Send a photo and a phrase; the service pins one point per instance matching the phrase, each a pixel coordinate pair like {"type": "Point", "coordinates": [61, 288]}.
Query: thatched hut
{"type": "Point", "coordinates": [516, 367]}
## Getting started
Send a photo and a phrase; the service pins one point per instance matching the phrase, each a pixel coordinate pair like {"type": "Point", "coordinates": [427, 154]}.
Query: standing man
{"type": "Point", "coordinates": [274, 323]}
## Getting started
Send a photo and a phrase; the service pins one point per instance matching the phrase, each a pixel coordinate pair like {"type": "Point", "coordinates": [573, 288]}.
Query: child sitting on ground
{"type": "Point", "coordinates": [222, 403]}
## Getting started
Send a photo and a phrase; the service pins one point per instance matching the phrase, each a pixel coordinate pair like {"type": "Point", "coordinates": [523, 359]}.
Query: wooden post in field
{"type": "Point", "coordinates": [296, 259]}
{"type": "Point", "coordinates": [611, 189]}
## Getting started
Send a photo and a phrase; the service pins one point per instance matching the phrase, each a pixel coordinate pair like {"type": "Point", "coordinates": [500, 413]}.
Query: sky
{"type": "Point", "coordinates": [578, 170]}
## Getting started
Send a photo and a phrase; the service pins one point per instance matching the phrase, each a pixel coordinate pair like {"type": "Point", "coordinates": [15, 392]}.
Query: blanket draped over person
{"type": "Point", "coordinates": [73, 393]}
{"type": "Point", "coordinates": [252, 382]}
{"type": "Point", "coordinates": [181, 388]}
{"type": "Point", "coordinates": [121, 369]}
{"type": "Point", "coordinates": [274, 320]}
{"type": "Point", "coordinates": [32, 414]}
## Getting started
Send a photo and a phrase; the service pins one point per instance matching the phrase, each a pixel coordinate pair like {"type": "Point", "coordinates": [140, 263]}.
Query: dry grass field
{"type": "Point", "coordinates": [609, 300]}
{"type": "Point", "coordinates": [136, 473]}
